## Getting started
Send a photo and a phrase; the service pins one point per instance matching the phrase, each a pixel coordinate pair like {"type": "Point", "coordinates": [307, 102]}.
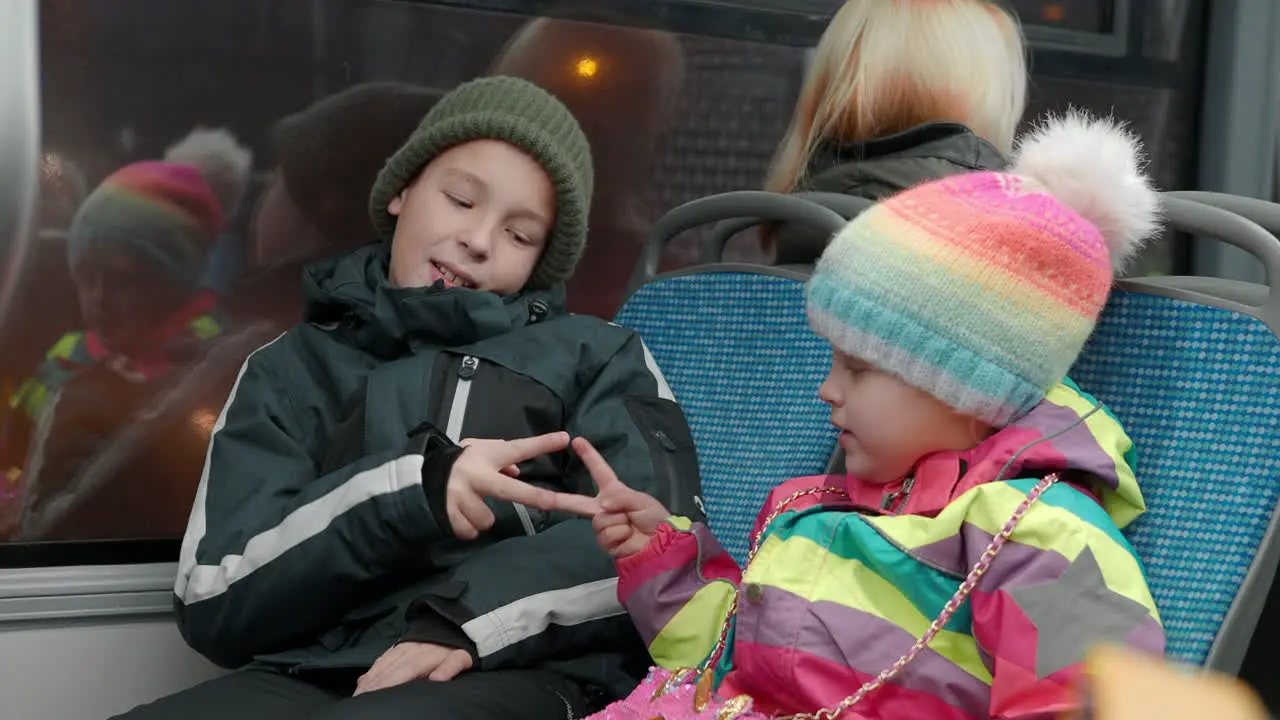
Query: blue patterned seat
{"type": "Point", "coordinates": [737, 351]}
{"type": "Point", "coordinates": [1193, 372]}
{"type": "Point", "coordinates": [1198, 389]}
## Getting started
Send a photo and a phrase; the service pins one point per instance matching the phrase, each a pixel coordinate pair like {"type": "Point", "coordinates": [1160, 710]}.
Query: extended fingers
{"type": "Point", "coordinates": [514, 452]}
{"type": "Point", "coordinates": [574, 504]}
{"type": "Point", "coordinates": [503, 487]}
{"type": "Point", "coordinates": [606, 480]}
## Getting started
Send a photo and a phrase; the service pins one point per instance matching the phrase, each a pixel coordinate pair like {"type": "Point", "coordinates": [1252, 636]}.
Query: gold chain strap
{"type": "Point", "coordinates": [709, 664]}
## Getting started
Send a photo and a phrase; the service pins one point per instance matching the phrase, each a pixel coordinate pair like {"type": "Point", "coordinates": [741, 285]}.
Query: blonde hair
{"type": "Point", "coordinates": [883, 66]}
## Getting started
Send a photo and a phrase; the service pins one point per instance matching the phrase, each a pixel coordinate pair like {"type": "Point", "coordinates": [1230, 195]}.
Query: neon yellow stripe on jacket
{"type": "Point", "coordinates": [689, 636]}
{"type": "Point", "coordinates": [1047, 526]}
{"type": "Point", "coordinates": [804, 568]}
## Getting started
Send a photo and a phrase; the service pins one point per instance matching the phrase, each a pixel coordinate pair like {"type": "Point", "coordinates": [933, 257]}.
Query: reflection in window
{"type": "Point", "coordinates": [622, 84]}
{"type": "Point", "coordinates": [1167, 25]}
{"type": "Point", "coordinates": [1167, 129]}
{"type": "Point", "coordinates": [322, 93]}
{"type": "Point", "coordinates": [1095, 17]}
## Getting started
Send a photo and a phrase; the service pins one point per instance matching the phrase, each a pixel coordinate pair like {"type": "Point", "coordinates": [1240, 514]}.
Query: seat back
{"type": "Point", "coordinates": [743, 209]}
{"type": "Point", "coordinates": [736, 349]}
{"type": "Point", "coordinates": [1195, 378]}
{"type": "Point", "coordinates": [712, 247]}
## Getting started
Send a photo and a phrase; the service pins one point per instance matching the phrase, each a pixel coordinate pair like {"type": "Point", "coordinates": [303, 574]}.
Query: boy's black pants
{"type": "Point", "coordinates": [263, 695]}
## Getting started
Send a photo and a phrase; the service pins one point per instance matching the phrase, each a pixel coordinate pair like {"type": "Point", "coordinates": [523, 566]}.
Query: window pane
{"type": "Point", "coordinates": [118, 367]}
{"type": "Point", "coordinates": [123, 364]}
{"type": "Point", "coordinates": [1095, 17]}
{"type": "Point", "coordinates": [1166, 124]}
{"type": "Point", "coordinates": [1167, 24]}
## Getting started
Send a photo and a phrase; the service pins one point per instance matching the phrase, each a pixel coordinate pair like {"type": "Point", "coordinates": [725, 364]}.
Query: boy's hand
{"type": "Point", "coordinates": [412, 660]}
{"type": "Point", "coordinates": [487, 468]}
{"type": "Point", "coordinates": [625, 519]}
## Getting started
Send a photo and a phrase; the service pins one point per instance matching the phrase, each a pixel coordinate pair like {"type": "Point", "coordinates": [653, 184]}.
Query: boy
{"type": "Point", "coordinates": [346, 538]}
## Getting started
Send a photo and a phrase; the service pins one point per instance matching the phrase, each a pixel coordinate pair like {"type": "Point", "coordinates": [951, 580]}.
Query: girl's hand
{"type": "Point", "coordinates": [624, 519]}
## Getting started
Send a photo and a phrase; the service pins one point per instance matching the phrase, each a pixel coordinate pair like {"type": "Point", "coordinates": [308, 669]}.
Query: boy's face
{"type": "Point", "coordinates": [478, 216]}
{"type": "Point", "coordinates": [887, 426]}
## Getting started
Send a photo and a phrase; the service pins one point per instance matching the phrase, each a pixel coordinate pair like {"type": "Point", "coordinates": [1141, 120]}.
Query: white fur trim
{"type": "Point", "coordinates": [225, 162]}
{"type": "Point", "coordinates": [1095, 166]}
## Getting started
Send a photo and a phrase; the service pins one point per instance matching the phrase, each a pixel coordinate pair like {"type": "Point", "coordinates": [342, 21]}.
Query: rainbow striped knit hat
{"type": "Point", "coordinates": [981, 289]}
{"type": "Point", "coordinates": [167, 213]}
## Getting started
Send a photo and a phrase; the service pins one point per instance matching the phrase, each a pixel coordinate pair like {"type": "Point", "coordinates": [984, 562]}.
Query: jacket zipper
{"type": "Point", "coordinates": [458, 413]}
{"type": "Point", "coordinates": [886, 503]}
{"type": "Point", "coordinates": [537, 311]}
{"type": "Point", "coordinates": [461, 394]}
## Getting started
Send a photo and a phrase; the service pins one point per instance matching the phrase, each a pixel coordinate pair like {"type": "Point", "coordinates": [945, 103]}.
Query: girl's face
{"type": "Point", "coordinates": [123, 298]}
{"type": "Point", "coordinates": [887, 426]}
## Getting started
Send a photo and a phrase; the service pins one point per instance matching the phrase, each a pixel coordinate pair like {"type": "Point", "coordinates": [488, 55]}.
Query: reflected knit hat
{"type": "Point", "coordinates": [330, 152]}
{"type": "Point", "coordinates": [981, 289]}
{"type": "Point", "coordinates": [167, 213]}
{"type": "Point", "coordinates": [518, 112]}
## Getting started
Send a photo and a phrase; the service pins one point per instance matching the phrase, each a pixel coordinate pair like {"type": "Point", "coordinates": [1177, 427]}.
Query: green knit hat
{"type": "Point", "coordinates": [520, 113]}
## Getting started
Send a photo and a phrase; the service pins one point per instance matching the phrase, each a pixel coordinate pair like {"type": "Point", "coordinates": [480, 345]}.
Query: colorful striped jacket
{"type": "Point", "coordinates": [75, 353]}
{"type": "Point", "coordinates": [840, 589]}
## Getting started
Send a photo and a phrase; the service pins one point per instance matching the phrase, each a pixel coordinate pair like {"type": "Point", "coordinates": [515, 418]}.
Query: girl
{"type": "Point", "coordinates": [972, 553]}
{"type": "Point", "coordinates": [889, 101]}
{"type": "Point", "coordinates": [136, 251]}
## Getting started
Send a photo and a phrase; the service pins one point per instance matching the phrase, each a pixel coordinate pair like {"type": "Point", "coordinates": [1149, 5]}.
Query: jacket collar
{"type": "Point", "coordinates": [354, 290]}
{"type": "Point", "coordinates": [1091, 451]}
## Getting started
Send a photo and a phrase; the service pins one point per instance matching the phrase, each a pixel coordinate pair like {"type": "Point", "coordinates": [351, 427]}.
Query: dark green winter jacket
{"type": "Point", "coordinates": [317, 539]}
{"type": "Point", "coordinates": [882, 167]}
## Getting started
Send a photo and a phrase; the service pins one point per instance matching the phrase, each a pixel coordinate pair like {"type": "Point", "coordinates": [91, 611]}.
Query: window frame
{"type": "Point", "coordinates": [780, 22]}
{"type": "Point", "coordinates": [110, 578]}
{"type": "Point", "coordinates": [80, 592]}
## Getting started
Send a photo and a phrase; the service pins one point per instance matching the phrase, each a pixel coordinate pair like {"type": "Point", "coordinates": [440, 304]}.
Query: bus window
{"type": "Point", "coordinates": [1149, 73]}
{"type": "Point", "coordinates": [1154, 113]}
{"type": "Point", "coordinates": [282, 113]}
{"type": "Point", "coordinates": [277, 118]}
{"type": "Point", "coordinates": [1168, 24]}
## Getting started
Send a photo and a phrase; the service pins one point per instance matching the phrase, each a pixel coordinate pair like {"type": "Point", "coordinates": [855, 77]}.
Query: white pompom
{"type": "Point", "coordinates": [225, 162]}
{"type": "Point", "coordinates": [1094, 166]}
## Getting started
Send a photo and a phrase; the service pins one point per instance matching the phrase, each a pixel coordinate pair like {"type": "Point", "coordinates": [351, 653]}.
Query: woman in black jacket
{"type": "Point", "coordinates": [898, 93]}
